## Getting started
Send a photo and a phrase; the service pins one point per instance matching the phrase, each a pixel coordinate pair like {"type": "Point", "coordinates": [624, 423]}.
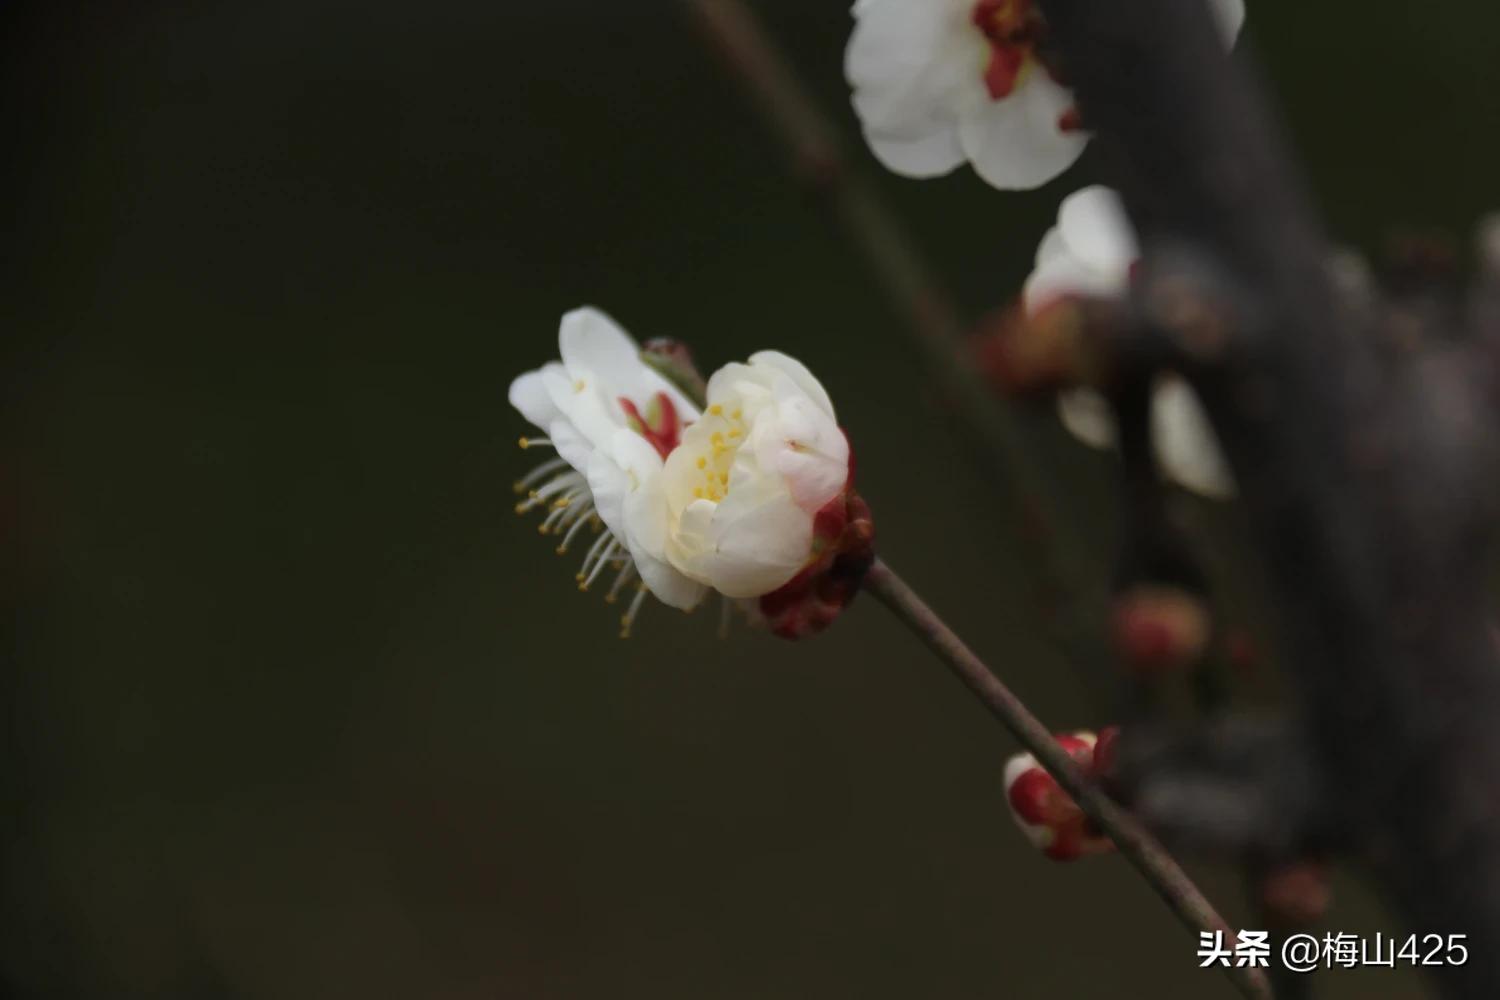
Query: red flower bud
{"type": "Point", "coordinates": [1159, 628]}
{"type": "Point", "coordinates": [1046, 814]}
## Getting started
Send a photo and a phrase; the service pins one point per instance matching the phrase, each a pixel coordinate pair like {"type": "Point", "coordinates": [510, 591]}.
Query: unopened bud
{"type": "Point", "coordinates": [1297, 894]}
{"type": "Point", "coordinates": [1158, 629]}
{"type": "Point", "coordinates": [1046, 814]}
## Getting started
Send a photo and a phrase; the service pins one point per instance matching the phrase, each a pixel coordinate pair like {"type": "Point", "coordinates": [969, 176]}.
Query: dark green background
{"type": "Point", "coordinates": [297, 708]}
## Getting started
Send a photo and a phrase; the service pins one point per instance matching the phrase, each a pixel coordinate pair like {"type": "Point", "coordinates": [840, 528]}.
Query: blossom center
{"type": "Point", "coordinates": [726, 434]}
{"type": "Point", "coordinates": [660, 425]}
{"type": "Point", "coordinates": [1013, 28]}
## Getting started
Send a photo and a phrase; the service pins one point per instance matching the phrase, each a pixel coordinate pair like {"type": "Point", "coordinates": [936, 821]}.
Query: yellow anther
{"type": "Point", "coordinates": [698, 492]}
{"type": "Point", "coordinates": [724, 478]}
{"type": "Point", "coordinates": [716, 409]}
{"type": "Point", "coordinates": [522, 507]}
{"type": "Point", "coordinates": [579, 386]}
{"type": "Point", "coordinates": [562, 550]}
{"type": "Point", "coordinates": [524, 444]}
{"type": "Point", "coordinates": [609, 598]}
{"type": "Point", "coordinates": [702, 461]}
{"type": "Point", "coordinates": [583, 585]}
{"type": "Point", "coordinates": [541, 529]}
{"type": "Point", "coordinates": [717, 440]}
{"type": "Point", "coordinates": [734, 432]}
{"type": "Point", "coordinates": [560, 504]}
{"type": "Point", "coordinates": [737, 414]}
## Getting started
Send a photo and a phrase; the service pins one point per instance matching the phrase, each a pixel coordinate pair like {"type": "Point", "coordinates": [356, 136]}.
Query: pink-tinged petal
{"type": "Point", "coordinates": [1097, 231]}
{"type": "Point", "coordinates": [1016, 143]}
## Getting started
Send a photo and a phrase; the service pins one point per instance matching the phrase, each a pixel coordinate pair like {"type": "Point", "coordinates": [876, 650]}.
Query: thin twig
{"type": "Point", "coordinates": [1143, 851]}
{"type": "Point", "coordinates": [1068, 576]}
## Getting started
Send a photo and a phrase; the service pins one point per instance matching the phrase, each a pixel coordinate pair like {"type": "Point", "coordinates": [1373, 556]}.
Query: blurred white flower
{"type": "Point", "coordinates": [939, 82]}
{"type": "Point", "coordinates": [1090, 252]}
{"type": "Point", "coordinates": [745, 489]}
{"type": "Point", "coordinates": [613, 421]}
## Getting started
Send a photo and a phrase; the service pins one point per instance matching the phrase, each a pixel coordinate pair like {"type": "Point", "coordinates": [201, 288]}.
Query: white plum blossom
{"type": "Point", "coordinates": [940, 82]}
{"type": "Point", "coordinates": [1090, 252]}
{"type": "Point", "coordinates": [613, 421]}
{"type": "Point", "coordinates": [750, 478]}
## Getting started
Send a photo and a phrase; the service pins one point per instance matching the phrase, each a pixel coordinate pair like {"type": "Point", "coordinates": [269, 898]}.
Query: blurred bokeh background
{"type": "Point", "coordinates": [295, 707]}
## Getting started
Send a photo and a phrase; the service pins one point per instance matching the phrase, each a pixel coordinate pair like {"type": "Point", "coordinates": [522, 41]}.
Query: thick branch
{"type": "Point", "coordinates": [1360, 478]}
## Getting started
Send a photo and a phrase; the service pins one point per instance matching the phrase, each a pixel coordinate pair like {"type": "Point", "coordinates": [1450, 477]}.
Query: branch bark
{"type": "Point", "coordinates": [1365, 479]}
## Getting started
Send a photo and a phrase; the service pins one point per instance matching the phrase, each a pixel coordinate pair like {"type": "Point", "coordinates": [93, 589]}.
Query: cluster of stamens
{"type": "Point", "coordinates": [563, 492]}
{"type": "Point", "coordinates": [727, 435]}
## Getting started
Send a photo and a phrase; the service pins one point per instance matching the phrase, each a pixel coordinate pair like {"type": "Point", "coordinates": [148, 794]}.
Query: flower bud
{"type": "Point", "coordinates": [1159, 628]}
{"type": "Point", "coordinates": [1296, 894]}
{"type": "Point", "coordinates": [1045, 813]}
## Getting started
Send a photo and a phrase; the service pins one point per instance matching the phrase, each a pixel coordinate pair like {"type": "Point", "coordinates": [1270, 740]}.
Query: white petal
{"type": "Point", "coordinates": [803, 447]}
{"type": "Point", "coordinates": [572, 446]}
{"type": "Point", "coordinates": [608, 485]}
{"type": "Point", "coordinates": [930, 156]}
{"type": "Point", "coordinates": [1052, 247]}
{"type": "Point", "coordinates": [577, 397]}
{"type": "Point", "coordinates": [1186, 448]}
{"type": "Point", "coordinates": [669, 586]}
{"type": "Point", "coordinates": [528, 394]}
{"type": "Point", "coordinates": [914, 68]}
{"type": "Point", "coordinates": [592, 342]}
{"type": "Point", "coordinates": [1015, 143]}
{"type": "Point", "coordinates": [1231, 15]}
{"type": "Point", "coordinates": [1065, 274]}
{"type": "Point", "coordinates": [758, 546]}
{"type": "Point", "coordinates": [798, 373]}
{"type": "Point", "coordinates": [1097, 231]}
{"type": "Point", "coordinates": [1088, 417]}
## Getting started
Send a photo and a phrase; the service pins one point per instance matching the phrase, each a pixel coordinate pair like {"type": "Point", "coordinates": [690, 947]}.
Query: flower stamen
{"type": "Point", "coordinates": [628, 618]}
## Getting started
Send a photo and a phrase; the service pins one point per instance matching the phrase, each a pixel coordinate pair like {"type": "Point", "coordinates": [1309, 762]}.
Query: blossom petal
{"type": "Point", "coordinates": [1017, 143]}
{"type": "Point", "coordinates": [798, 373]}
{"type": "Point", "coordinates": [667, 584]}
{"type": "Point", "coordinates": [1231, 16]}
{"type": "Point", "coordinates": [608, 485]}
{"type": "Point", "coordinates": [590, 341]}
{"type": "Point", "coordinates": [1095, 228]}
{"type": "Point", "coordinates": [1186, 448]}
{"type": "Point", "coordinates": [528, 394]}
{"type": "Point", "coordinates": [932, 155]}
{"type": "Point", "coordinates": [1088, 417]}
{"type": "Point", "coordinates": [1065, 274]}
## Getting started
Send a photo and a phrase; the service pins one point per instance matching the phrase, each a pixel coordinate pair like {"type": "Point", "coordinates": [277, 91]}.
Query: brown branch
{"type": "Point", "coordinates": [1365, 476]}
{"type": "Point", "coordinates": [1138, 846]}
{"type": "Point", "coordinates": [1067, 576]}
